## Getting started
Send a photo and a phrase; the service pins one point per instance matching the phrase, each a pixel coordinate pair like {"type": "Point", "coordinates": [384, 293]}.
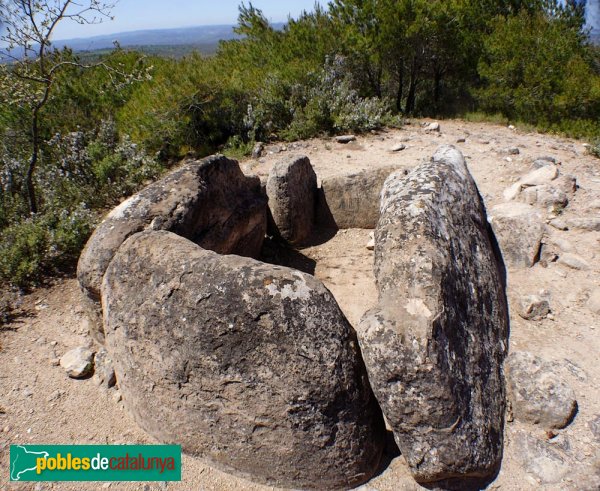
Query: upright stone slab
{"type": "Point", "coordinates": [249, 365]}
{"type": "Point", "coordinates": [352, 200]}
{"type": "Point", "coordinates": [435, 343]}
{"type": "Point", "coordinates": [210, 202]}
{"type": "Point", "coordinates": [520, 229]}
{"type": "Point", "coordinates": [292, 192]}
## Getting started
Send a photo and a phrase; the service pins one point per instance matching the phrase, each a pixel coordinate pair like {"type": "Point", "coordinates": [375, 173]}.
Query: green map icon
{"type": "Point", "coordinates": [23, 461]}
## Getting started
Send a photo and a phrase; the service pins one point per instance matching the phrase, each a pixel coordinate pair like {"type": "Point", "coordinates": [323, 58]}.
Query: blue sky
{"type": "Point", "coordinates": [132, 15]}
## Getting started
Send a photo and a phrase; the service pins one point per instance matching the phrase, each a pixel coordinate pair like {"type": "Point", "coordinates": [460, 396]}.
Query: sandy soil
{"type": "Point", "coordinates": [40, 404]}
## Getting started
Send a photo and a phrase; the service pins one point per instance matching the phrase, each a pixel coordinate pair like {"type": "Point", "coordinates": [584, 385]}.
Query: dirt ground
{"type": "Point", "coordinates": [40, 404]}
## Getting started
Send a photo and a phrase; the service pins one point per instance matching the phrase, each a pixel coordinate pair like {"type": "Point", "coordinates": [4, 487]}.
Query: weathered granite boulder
{"type": "Point", "coordinates": [292, 192]}
{"type": "Point", "coordinates": [435, 343]}
{"type": "Point", "coordinates": [538, 177]}
{"type": "Point", "coordinates": [538, 393]}
{"type": "Point", "coordinates": [352, 200]}
{"type": "Point", "coordinates": [249, 365]}
{"type": "Point", "coordinates": [519, 229]}
{"type": "Point", "coordinates": [210, 202]}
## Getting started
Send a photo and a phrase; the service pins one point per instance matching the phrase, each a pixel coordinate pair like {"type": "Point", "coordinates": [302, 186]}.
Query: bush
{"type": "Point", "coordinates": [44, 244]}
{"type": "Point", "coordinates": [23, 249]}
{"type": "Point", "coordinates": [83, 172]}
{"type": "Point", "coordinates": [550, 81]}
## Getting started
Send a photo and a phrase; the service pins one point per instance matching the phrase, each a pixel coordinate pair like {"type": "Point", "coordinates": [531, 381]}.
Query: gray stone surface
{"type": "Point", "coordinates": [433, 127]}
{"type": "Point", "coordinates": [587, 223]}
{"type": "Point", "coordinates": [533, 307]}
{"type": "Point", "coordinates": [594, 426]}
{"type": "Point", "coordinates": [593, 302]}
{"type": "Point", "coordinates": [546, 196]}
{"type": "Point", "coordinates": [352, 200]}
{"type": "Point", "coordinates": [78, 362]}
{"type": "Point", "coordinates": [573, 261]}
{"type": "Point", "coordinates": [537, 392]}
{"type": "Point", "coordinates": [543, 175]}
{"type": "Point", "coordinates": [251, 366]}
{"type": "Point", "coordinates": [210, 202]}
{"type": "Point", "coordinates": [345, 138]}
{"type": "Point", "coordinates": [104, 372]}
{"type": "Point", "coordinates": [519, 229]}
{"type": "Point", "coordinates": [292, 191]}
{"type": "Point", "coordinates": [435, 343]}
{"type": "Point", "coordinates": [541, 461]}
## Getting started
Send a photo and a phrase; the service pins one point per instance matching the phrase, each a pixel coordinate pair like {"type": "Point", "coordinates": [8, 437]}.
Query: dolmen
{"type": "Point", "coordinates": [254, 367]}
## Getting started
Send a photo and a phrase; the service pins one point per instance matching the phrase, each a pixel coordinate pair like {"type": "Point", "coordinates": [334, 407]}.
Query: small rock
{"type": "Point", "coordinates": [55, 362]}
{"type": "Point", "coordinates": [573, 369]}
{"type": "Point", "coordinates": [461, 140]}
{"type": "Point", "coordinates": [512, 151]}
{"type": "Point", "coordinates": [371, 243]}
{"type": "Point", "coordinates": [78, 362]}
{"type": "Point", "coordinates": [589, 223]}
{"type": "Point", "coordinates": [593, 302]}
{"type": "Point", "coordinates": [53, 343]}
{"type": "Point", "coordinates": [274, 149]}
{"type": "Point", "coordinates": [540, 460]}
{"type": "Point", "coordinates": [57, 394]}
{"type": "Point", "coordinates": [537, 392]}
{"type": "Point", "coordinates": [594, 426]}
{"type": "Point", "coordinates": [117, 397]}
{"type": "Point", "coordinates": [104, 373]}
{"type": "Point", "coordinates": [595, 204]}
{"type": "Point", "coordinates": [538, 164]}
{"type": "Point", "coordinates": [6, 429]}
{"type": "Point", "coordinates": [484, 142]}
{"type": "Point", "coordinates": [562, 244]}
{"type": "Point", "coordinates": [543, 175]}
{"type": "Point", "coordinates": [433, 127]}
{"type": "Point", "coordinates": [532, 307]}
{"type": "Point", "coordinates": [258, 150]}
{"type": "Point", "coordinates": [573, 261]}
{"type": "Point", "coordinates": [511, 127]}
{"type": "Point", "coordinates": [398, 148]}
{"type": "Point", "coordinates": [559, 224]}
{"type": "Point", "coordinates": [27, 392]}
{"type": "Point", "coordinates": [345, 138]}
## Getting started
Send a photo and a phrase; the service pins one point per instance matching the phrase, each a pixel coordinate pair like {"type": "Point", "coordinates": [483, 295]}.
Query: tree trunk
{"type": "Point", "coordinates": [437, 85]}
{"type": "Point", "coordinates": [412, 88]}
{"type": "Point", "coordinates": [400, 85]}
{"type": "Point", "coordinates": [35, 136]}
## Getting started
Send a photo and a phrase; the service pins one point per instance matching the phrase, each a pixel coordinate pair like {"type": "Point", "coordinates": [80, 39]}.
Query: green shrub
{"type": "Point", "coordinates": [23, 249]}
{"type": "Point", "coordinates": [536, 69]}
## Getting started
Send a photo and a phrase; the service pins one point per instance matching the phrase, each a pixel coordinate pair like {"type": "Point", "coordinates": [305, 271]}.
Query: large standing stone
{"type": "Point", "coordinates": [435, 343]}
{"type": "Point", "coordinates": [292, 192]}
{"type": "Point", "coordinates": [519, 229]}
{"type": "Point", "coordinates": [210, 202]}
{"type": "Point", "coordinates": [352, 200]}
{"type": "Point", "coordinates": [249, 365]}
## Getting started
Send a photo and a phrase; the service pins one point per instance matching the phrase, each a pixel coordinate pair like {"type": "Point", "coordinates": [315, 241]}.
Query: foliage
{"type": "Point", "coordinates": [551, 82]}
{"type": "Point", "coordinates": [86, 138]}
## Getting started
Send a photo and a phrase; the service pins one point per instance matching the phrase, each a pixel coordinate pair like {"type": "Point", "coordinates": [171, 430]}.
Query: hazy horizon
{"type": "Point", "coordinates": [145, 15]}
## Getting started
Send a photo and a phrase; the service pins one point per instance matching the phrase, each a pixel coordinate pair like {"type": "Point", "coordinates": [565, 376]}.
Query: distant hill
{"type": "Point", "coordinates": [166, 42]}
{"type": "Point", "coordinates": [199, 35]}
